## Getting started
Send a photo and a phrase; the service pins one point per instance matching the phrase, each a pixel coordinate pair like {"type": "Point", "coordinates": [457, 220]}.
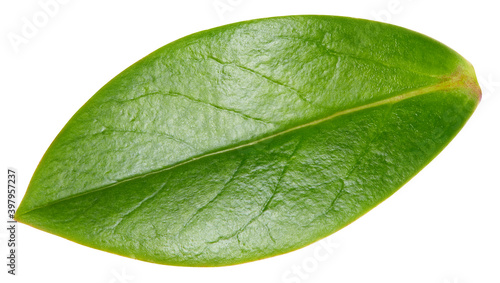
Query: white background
{"type": "Point", "coordinates": [443, 226]}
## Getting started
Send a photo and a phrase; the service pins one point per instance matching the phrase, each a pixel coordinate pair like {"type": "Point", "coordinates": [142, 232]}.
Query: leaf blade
{"type": "Point", "coordinates": [225, 245]}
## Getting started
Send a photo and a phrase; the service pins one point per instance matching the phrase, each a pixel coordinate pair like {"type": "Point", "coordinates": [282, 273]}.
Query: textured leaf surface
{"type": "Point", "coordinates": [250, 140]}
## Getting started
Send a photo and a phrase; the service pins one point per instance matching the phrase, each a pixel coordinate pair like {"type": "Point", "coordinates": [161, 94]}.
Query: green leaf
{"type": "Point", "coordinates": [250, 140]}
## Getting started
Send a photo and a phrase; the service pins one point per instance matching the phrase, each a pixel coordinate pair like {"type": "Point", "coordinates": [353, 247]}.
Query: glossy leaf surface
{"type": "Point", "coordinates": [250, 140]}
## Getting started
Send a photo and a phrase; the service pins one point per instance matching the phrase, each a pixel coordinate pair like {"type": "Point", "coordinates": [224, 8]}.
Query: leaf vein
{"type": "Point", "coordinates": [192, 99]}
{"type": "Point", "coordinates": [136, 207]}
{"type": "Point", "coordinates": [455, 82]}
{"type": "Point", "coordinates": [199, 210]}
{"type": "Point", "coordinates": [265, 207]}
{"type": "Point", "coordinates": [294, 90]}
{"type": "Point", "coordinates": [376, 133]}
{"type": "Point", "coordinates": [349, 55]}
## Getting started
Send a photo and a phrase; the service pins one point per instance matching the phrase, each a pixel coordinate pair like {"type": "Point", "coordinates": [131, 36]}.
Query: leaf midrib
{"type": "Point", "coordinates": [449, 82]}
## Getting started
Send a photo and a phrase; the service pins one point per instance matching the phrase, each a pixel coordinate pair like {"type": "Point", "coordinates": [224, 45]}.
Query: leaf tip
{"type": "Point", "coordinates": [470, 81]}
